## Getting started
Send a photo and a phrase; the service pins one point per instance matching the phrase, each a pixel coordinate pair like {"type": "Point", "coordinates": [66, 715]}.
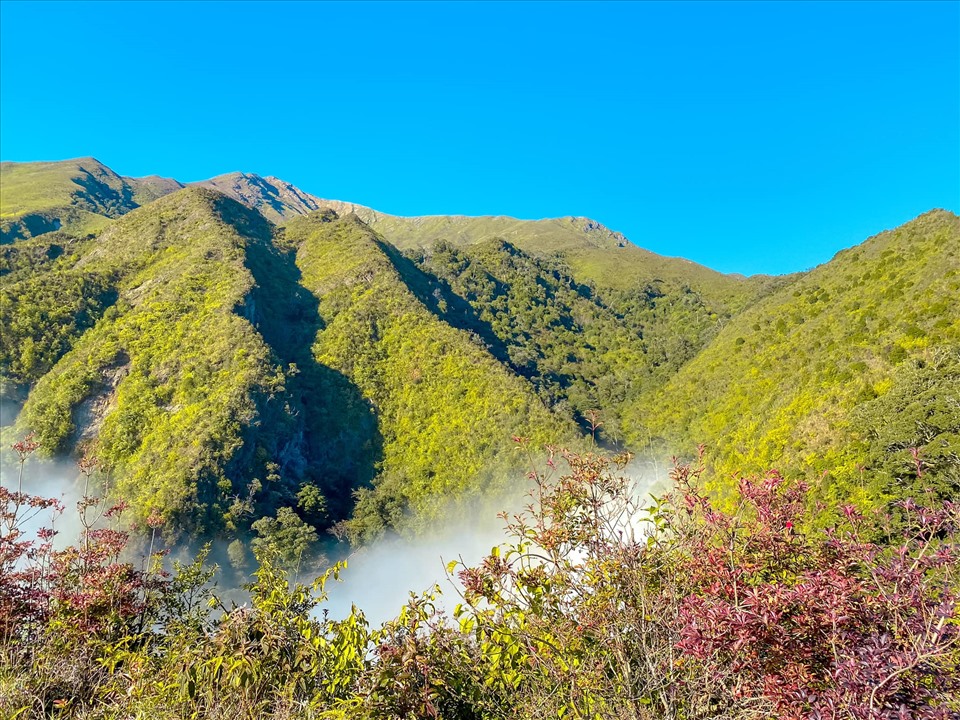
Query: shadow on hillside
{"type": "Point", "coordinates": [331, 433]}
{"type": "Point", "coordinates": [439, 299]}
{"type": "Point", "coordinates": [101, 198]}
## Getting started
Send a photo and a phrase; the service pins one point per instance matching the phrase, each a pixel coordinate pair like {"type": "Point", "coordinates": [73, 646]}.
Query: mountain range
{"type": "Point", "coordinates": [238, 349]}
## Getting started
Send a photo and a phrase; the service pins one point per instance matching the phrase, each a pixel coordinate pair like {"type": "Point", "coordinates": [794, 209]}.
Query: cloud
{"type": "Point", "coordinates": [380, 578]}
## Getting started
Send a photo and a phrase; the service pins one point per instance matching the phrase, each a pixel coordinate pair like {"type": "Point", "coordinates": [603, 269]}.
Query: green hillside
{"type": "Point", "coordinates": [841, 372]}
{"type": "Point", "coordinates": [585, 349]}
{"type": "Point", "coordinates": [446, 407]}
{"type": "Point", "coordinates": [77, 196]}
{"type": "Point", "coordinates": [590, 252]}
{"type": "Point", "coordinates": [223, 371]}
{"type": "Point", "coordinates": [169, 379]}
{"type": "Point", "coordinates": [593, 253]}
{"type": "Point", "coordinates": [235, 354]}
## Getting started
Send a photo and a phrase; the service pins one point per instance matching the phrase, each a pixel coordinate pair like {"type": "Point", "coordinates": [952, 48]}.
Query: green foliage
{"type": "Point", "coordinates": [813, 352]}
{"type": "Point", "coordinates": [75, 195]}
{"type": "Point", "coordinates": [43, 314]}
{"type": "Point", "coordinates": [169, 378]}
{"type": "Point", "coordinates": [912, 431]}
{"type": "Point", "coordinates": [46, 302]}
{"type": "Point", "coordinates": [226, 369]}
{"type": "Point", "coordinates": [583, 349]}
{"type": "Point", "coordinates": [54, 250]}
{"type": "Point", "coordinates": [594, 254]}
{"type": "Point", "coordinates": [598, 605]}
{"type": "Point", "coordinates": [287, 537]}
{"type": "Point", "coordinates": [274, 658]}
{"type": "Point", "coordinates": [430, 384]}
{"type": "Point", "coordinates": [219, 390]}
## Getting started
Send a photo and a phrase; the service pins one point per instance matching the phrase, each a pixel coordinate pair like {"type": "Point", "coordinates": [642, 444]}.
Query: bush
{"type": "Point", "coordinates": [600, 606]}
{"type": "Point", "coordinates": [606, 607]}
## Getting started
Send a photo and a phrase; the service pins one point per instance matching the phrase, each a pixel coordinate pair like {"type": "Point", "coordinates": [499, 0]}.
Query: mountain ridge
{"type": "Point", "coordinates": [219, 366]}
{"type": "Point", "coordinates": [281, 200]}
{"type": "Point", "coordinates": [239, 349]}
{"type": "Point", "coordinates": [80, 195]}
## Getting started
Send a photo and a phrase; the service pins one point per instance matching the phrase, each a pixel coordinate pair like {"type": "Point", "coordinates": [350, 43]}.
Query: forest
{"type": "Point", "coordinates": [725, 496]}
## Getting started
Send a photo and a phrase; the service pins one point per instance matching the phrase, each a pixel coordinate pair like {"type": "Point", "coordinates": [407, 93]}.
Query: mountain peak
{"type": "Point", "coordinates": [276, 199]}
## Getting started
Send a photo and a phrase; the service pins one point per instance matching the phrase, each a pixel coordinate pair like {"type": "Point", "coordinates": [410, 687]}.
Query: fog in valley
{"type": "Point", "coordinates": [378, 579]}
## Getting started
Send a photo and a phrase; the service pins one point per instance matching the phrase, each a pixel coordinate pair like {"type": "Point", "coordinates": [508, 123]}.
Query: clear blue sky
{"type": "Point", "coordinates": [751, 137]}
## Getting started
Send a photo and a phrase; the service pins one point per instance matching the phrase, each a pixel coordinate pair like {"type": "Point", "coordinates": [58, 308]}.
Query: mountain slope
{"type": "Point", "coordinates": [169, 378]}
{"type": "Point", "coordinates": [594, 253]}
{"type": "Point", "coordinates": [223, 371]}
{"type": "Point", "coordinates": [586, 350]}
{"type": "Point", "coordinates": [677, 304]}
{"type": "Point", "coordinates": [79, 195]}
{"type": "Point", "coordinates": [790, 381]}
{"type": "Point", "coordinates": [246, 355]}
{"type": "Point", "coordinates": [46, 303]}
{"type": "Point", "coordinates": [447, 407]}
{"type": "Point", "coordinates": [272, 197]}
{"type": "Point", "coordinates": [196, 413]}
{"type": "Point", "coordinates": [76, 195]}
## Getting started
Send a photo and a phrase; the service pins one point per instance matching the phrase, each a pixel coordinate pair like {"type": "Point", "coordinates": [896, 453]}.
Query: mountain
{"type": "Point", "coordinates": [273, 198]}
{"type": "Point", "coordinates": [74, 195]}
{"type": "Point", "coordinates": [238, 350]}
{"type": "Point", "coordinates": [168, 377]}
{"type": "Point", "coordinates": [581, 253]}
{"type": "Point", "coordinates": [221, 382]}
{"type": "Point", "coordinates": [447, 408]}
{"type": "Point", "coordinates": [593, 252]}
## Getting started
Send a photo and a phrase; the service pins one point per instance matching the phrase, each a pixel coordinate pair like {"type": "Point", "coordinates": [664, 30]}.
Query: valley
{"type": "Point", "coordinates": [723, 491]}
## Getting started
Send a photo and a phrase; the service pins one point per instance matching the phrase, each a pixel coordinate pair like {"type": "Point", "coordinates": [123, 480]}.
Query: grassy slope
{"type": "Point", "coordinates": [336, 449]}
{"type": "Point", "coordinates": [584, 349]}
{"type": "Point", "coordinates": [150, 188]}
{"type": "Point", "coordinates": [395, 379]}
{"type": "Point", "coordinates": [79, 196]}
{"type": "Point", "coordinates": [196, 381]}
{"type": "Point", "coordinates": [45, 303]}
{"type": "Point", "coordinates": [447, 408]}
{"type": "Point", "coordinates": [594, 253]}
{"type": "Point", "coordinates": [779, 385]}
{"type": "Point", "coordinates": [82, 193]}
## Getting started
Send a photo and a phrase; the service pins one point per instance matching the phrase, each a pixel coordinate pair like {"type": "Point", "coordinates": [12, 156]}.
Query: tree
{"type": "Point", "coordinates": [287, 536]}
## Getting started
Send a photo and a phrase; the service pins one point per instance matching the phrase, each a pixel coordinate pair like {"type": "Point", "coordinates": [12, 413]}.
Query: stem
{"type": "Point", "coordinates": [153, 537]}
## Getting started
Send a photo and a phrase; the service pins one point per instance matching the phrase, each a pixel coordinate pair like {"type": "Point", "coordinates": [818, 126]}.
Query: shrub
{"type": "Point", "coordinates": [605, 607]}
{"type": "Point", "coordinates": [601, 605]}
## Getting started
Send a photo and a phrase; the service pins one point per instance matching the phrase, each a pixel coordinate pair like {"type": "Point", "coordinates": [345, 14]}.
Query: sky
{"type": "Point", "coordinates": [750, 137]}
